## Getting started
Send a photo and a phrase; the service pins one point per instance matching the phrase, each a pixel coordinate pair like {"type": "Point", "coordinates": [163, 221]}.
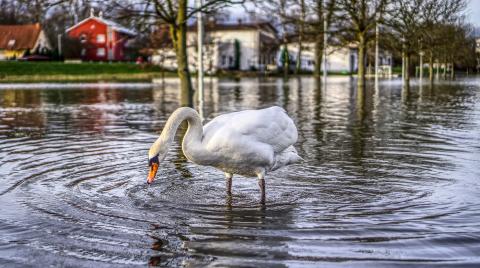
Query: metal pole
{"type": "Point", "coordinates": [377, 34]}
{"type": "Point", "coordinates": [59, 41]}
{"type": "Point", "coordinates": [325, 40]}
{"type": "Point", "coordinates": [200, 52]}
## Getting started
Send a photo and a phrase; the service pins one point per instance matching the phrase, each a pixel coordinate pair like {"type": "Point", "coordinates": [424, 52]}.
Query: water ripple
{"type": "Point", "coordinates": [388, 180]}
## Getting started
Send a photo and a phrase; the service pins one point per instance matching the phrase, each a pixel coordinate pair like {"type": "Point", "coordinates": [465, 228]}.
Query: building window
{"type": "Point", "coordinates": [101, 38]}
{"type": "Point", "coordinates": [11, 42]}
{"type": "Point", "coordinates": [101, 52]}
{"type": "Point", "coordinates": [230, 61]}
{"type": "Point", "coordinates": [83, 52]}
{"type": "Point", "coordinates": [83, 38]}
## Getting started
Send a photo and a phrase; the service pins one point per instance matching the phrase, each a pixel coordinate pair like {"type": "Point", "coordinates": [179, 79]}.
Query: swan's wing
{"type": "Point", "coordinates": [271, 126]}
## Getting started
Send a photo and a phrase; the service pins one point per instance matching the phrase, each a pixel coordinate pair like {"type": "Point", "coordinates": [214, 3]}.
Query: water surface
{"type": "Point", "coordinates": [390, 178]}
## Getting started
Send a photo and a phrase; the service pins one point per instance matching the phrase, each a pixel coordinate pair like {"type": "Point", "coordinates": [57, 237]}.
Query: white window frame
{"type": "Point", "coordinates": [101, 52]}
{"type": "Point", "coordinates": [101, 38]}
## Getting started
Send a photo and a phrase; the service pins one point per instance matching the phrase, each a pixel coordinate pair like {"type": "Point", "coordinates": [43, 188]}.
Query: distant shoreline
{"type": "Point", "coordinates": [38, 72]}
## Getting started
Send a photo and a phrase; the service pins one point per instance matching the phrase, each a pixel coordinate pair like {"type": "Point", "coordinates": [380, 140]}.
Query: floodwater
{"type": "Point", "coordinates": [390, 178]}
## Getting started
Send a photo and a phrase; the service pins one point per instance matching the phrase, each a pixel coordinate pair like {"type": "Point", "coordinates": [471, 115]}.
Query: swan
{"type": "Point", "coordinates": [250, 143]}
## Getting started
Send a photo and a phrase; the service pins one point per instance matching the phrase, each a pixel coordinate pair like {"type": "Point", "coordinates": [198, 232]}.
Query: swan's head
{"type": "Point", "coordinates": [156, 154]}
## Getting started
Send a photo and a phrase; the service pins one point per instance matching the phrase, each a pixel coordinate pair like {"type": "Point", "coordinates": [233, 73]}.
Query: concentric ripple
{"type": "Point", "coordinates": [390, 178]}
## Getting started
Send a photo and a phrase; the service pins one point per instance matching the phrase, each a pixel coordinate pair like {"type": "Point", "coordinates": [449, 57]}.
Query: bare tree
{"type": "Point", "coordinates": [315, 28]}
{"type": "Point", "coordinates": [12, 12]}
{"type": "Point", "coordinates": [271, 9]}
{"type": "Point", "coordinates": [405, 21]}
{"type": "Point", "coordinates": [300, 20]}
{"type": "Point", "coordinates": [458, 46]}
{"type": "Point", "coordinates": [356, 21]}
{"type": "Point", "coordinates": [436, 13]}
{"type": "Point", "coordinates": [175, 14]}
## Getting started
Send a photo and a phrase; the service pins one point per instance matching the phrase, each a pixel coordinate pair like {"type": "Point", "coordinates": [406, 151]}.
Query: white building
{"type": "Point", "coordinates": [339, 59]}
{"type": "Point", "coordinates": [239, 46]}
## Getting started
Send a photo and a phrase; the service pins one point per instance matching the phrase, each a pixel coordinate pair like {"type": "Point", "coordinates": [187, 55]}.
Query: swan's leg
{"type": "Point", "coordinates": [228, 177]}
{"type": "Point", "coordinates": [261, 183]}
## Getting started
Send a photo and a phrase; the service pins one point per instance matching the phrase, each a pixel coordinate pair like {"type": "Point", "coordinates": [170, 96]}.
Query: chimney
{"type": "Point", "coordinates": [100, 14]}
{"type": "Point", "coordinates": [92, 12]}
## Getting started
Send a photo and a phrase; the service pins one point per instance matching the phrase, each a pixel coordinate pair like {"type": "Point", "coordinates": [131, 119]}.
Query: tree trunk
{"type": "Point", "coordinates": [318, 55]}
{"type": "Point", "coordinates": [298, 66]}
{"type": "Point", "coordinates": [445, 69]}
{"type": "Point", "coordinates": [369, 69]}
{"type": "Point", "coordinates": [407, 69]}
{"type": "Point", "coordinates": [452, 72]}
{"type": "Point", "coordinates": [286, 60]}
{"type": "Point", "coordinates": [362, 46]}
{"type": "Point", "coordinates": [430, 67]}
{"type": "Point", "coordinates": [178, 33]}
{"type": "Point", "coordinates": [319, 41]}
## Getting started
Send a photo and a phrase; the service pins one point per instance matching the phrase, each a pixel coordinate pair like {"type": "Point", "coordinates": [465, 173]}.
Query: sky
{"type": "Point", "coordinates": [473, 12]}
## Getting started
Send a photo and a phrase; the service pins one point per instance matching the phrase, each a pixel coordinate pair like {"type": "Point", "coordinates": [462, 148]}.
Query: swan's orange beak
{"type": "Point", "coordinates": [152, 172]}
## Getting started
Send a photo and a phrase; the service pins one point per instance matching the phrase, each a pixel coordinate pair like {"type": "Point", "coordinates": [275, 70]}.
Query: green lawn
{"type": "Point", "coordinates": [13, 71]}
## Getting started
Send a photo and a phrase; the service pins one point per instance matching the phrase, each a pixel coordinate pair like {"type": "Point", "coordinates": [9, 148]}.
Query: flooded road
{"type": "Point", "coordinates": [390, 178]}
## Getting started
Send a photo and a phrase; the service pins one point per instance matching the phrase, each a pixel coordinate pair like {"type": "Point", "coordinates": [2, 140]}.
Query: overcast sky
{"type": "Point", "coordinates": [473, 12]}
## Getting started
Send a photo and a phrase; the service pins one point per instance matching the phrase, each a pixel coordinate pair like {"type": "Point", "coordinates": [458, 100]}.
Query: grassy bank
{"type": "Point", "coordinates": [12, 71]}
{"type": "Point", "coordinates": [26, 72]}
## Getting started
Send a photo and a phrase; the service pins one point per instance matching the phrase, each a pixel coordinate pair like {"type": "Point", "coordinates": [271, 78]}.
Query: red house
{"type": "Point", "coordinates": [101, 39]}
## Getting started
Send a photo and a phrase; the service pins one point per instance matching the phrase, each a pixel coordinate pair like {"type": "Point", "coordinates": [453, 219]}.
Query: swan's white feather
{"type": "Point", "coordinates": [250, 142]}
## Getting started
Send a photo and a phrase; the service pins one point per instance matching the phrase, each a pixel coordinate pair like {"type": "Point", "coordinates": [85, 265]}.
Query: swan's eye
{"type": "Point", "coordinates": [153, 160]}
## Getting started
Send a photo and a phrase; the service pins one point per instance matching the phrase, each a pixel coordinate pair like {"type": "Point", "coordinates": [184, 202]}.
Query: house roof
{"type": "Point", "coordinates": [15, 37]}
{"type": "Point", "coordinates": [117, 27]}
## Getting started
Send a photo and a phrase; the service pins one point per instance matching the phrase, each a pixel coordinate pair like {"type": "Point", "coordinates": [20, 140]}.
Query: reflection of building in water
{"type": "Point", "coordinates": [21, 113]}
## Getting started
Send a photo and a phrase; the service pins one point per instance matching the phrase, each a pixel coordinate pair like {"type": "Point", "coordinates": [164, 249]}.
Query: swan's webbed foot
{"type": "Point", "coordinates": [228, 177]}
{"type": "Point", "coordinates": [261, 183]}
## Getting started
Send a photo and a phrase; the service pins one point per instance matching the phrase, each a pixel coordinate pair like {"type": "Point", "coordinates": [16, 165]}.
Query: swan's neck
{"type": "Point", "coordinates": [192, 141]}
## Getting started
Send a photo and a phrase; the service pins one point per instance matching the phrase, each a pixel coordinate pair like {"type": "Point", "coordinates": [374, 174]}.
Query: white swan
{"type": "Point", "coordinates": [248, 143]}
